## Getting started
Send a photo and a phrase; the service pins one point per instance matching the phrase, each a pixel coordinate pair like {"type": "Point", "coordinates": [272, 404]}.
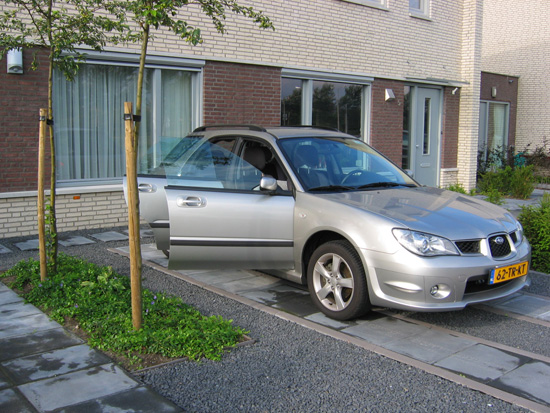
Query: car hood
{"type": "Point", "coordinates": [431, 210]}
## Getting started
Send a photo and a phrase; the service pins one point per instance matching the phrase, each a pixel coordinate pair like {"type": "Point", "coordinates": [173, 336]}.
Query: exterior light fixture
{"type": "Point", "coordinates": [15, 61]}
{"type": "Point", "coordinates": [389, 95]}
{"type": "Point", "coordinates": [494, 92]}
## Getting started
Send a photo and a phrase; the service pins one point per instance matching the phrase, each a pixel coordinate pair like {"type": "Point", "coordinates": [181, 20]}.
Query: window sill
{"type": "Point", "coordinates": [368, 3]}
{"type": "Point", "coordinates": [420, 15]}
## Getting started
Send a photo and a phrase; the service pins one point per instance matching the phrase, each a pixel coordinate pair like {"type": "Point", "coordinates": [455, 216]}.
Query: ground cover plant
{"type": "Point", "coordinates": [97, 301]}
{"type": "Point", "coordinates": [536, 226]}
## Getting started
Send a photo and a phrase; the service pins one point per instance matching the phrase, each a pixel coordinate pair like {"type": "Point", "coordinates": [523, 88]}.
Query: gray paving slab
{"type": "Point", "coordinates": [72, 241]}
{"type": "Point", "coordinates": [384, 330]}
{"type": "Point", "coordinates": [322, 319]}
{"type": "Point", "coordinates": [146, 232]}
{"type": "Point", "coordinates": [275, 293]}
{"type": "Point", "coordinates": [4, 249]}
{"type": "Point", "coordinates": [36, 342]}
{"type": "Point", "coordinates": [229, 280]}
{"type": "Point", "coordinates": [17, 309]}
{"type": "Point", "coordinates": [110, 236]}
{"type": "Point", "coordinates": [430, 346]}
{"type": "Point", "coordinates": [138, 399]}
{"type": "Point", "coordinates": [482, 362]}
{"type": "Point", "coordinates": [12, 401]}
{"type": "Point", "coordinates": [298, 305]}
{"type": "Point", "coordinates": [29, 245]}
{"type": "Point", "coordinates": [531, 380]}
{"type": "Point", "coordinates": [526, 305]}
{"type": "Point", "coordinates": [7, 296]}
{"type": "Point", "coordinates": [5, 382]}
{"type": "Point", "coordinates": [14, 327]}
{"type": "Point", "coordinates": [53, 363]}
{"type": "Point", "coordinates": [77, 387]}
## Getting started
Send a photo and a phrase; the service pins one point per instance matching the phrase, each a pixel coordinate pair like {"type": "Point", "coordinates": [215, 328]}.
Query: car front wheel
{"type": "Point", "coordinates": [337, 282]}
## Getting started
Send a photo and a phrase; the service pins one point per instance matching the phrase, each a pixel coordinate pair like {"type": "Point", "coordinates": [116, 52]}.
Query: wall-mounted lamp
{"type": "Point", "coordinates": [494, 92]}
{"type": "Point", "coordinates": [15, 61]}
{"type": "Point", "coordinates": [453, 92]}
{"type": "Point", "coordinates": [389, 95]}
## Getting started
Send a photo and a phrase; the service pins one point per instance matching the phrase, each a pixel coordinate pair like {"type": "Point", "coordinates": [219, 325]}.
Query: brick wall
{"type": "Point", "coordinates": [18, 216]}
{"type": "Point", "coordinates": [21, 98]}
{"type": "Point", "coordinates": [387, 119]}
{"type": "Point", "coordinates": [449, 141]}
{"type": "Point", "coordinates": [241, 94]}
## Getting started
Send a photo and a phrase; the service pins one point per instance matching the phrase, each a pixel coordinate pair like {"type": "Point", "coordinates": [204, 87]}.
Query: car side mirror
{"type": "Point", "coordinates": [268, 183]}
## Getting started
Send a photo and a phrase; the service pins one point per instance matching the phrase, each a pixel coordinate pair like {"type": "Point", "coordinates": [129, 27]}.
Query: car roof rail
{"type": "Point", "coordinates": [312, 126]}
{"type": "Point", "coordinates": [255, 128]}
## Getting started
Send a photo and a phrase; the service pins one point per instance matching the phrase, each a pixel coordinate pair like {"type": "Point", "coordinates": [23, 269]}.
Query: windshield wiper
{"type": "Point", "coordinates": [381, 185]}
{"type": "Point", "coordinates": [331, 188]}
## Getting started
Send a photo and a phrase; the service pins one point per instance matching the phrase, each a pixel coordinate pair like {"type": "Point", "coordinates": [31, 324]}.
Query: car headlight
{"type": "Point", "coordinates": [519, 234]}
{"type": "Point", "coordinates": [427, 245]}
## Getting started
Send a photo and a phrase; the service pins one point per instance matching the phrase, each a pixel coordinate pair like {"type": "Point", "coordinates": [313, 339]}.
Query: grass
{"type": "Point", "coordinates": [95, 301]}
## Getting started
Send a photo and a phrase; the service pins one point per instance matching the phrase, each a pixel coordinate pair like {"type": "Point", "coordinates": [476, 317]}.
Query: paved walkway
{"type": "Point", "coordinates": [44, 368]}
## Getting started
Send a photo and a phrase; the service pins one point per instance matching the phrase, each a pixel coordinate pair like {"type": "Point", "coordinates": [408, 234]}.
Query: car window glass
{"type": "Point", "coordinates": [326, 162]}
{"type": "Point", "coordinates": [213, 164]}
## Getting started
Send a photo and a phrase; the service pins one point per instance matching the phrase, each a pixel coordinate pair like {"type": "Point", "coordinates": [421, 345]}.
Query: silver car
{"type": "Point", "coordinates": [322, 208]}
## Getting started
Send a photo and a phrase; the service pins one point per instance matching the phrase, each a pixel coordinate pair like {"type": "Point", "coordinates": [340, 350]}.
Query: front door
{"type": "Point", "coordinates": [426, 136]}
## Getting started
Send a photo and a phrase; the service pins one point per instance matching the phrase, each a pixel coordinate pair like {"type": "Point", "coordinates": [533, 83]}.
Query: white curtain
{"type": "Point", "coordinates": [89, 119]}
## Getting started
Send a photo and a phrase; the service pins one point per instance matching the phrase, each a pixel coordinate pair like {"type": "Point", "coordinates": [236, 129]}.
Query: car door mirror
{"type": "Point", "coordinates": [268, 183]}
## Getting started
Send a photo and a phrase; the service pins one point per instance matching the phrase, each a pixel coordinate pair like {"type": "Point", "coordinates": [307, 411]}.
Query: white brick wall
{"type": "Point", "coordinates": [18, 216]}
{"type": "Point", "coordinates": [516, 41]}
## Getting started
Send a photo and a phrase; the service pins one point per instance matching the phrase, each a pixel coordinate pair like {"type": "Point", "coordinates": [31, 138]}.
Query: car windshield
{"type": "Point", "coordinates": [337, 164]}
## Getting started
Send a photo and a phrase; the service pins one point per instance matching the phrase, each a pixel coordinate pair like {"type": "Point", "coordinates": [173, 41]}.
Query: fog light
{"type": "Point", "coordinates": [440, 291]}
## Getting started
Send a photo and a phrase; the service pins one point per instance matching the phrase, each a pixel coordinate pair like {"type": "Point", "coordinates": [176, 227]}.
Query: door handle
{"type": "Point", "coordinates": [148, 188]}
{"type": "Point", "coordinates": [190, 201]}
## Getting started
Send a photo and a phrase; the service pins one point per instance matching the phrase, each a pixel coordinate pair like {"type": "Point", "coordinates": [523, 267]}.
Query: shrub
{"type": "Point", "coordinates": [458, 187]}
{"type": "Point", "coordinates": [517, 183]}
{"type": "Point", "coordinates": [536, 226]}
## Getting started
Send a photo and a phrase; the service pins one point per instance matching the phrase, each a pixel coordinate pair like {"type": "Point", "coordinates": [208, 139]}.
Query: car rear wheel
{"type": "Point", "coordinates": [337, 282]}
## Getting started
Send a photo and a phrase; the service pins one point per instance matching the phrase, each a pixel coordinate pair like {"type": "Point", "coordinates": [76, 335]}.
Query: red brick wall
{"type": "Point", "coordinates": [241, 94]}
{"type": "Point", "coordinates": [507, 91]}
{"type": "Point", "coordinates": [21, 97]}
{"type": "Point", "coordinates": [387, 119]}
{"type": "Point", "coordinates": [449, 140]}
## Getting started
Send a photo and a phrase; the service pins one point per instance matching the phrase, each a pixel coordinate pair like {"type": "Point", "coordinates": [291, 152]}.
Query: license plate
{"type": "Point", "coordinates": [510, 272]}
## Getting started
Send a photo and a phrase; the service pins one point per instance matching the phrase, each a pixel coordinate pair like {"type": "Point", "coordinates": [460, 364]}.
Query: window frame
{"type": "Point", "coordinates": [422, 12]}
{"type": "Point", "coordinates": [377, 4]}
{"type": "Point", "coordinates": [483, 135]}
{"type": "Point", "coordinates": [308, 78]}
{"type": "Point", "coordinates": [155, 62]}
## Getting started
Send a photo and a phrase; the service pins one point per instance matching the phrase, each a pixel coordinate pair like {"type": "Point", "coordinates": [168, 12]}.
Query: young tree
{"type": "Point", "coordinates": [58, 27]}
{"type": "Point", "coordinates": [150, 15]}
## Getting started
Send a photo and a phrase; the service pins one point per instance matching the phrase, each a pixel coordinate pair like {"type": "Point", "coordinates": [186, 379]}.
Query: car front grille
{"type": "Point", "coordinates": [499, 246]}
{"type": "Point", "coordinates": [468, 247]}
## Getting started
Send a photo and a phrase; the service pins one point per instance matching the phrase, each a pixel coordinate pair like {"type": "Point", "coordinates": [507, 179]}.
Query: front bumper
{"type": "Point", "coordinates": [404, 280]}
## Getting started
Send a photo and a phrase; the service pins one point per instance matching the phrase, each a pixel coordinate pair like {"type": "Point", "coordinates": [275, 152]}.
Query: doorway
{"type": "Point", "coordinates": [421, 133]}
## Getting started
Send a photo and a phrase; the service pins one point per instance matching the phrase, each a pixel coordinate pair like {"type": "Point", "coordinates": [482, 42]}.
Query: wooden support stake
{"type": "Point", "coordinates": [40, 198]}
{"type": "Point", "coordinates": [133, 215]}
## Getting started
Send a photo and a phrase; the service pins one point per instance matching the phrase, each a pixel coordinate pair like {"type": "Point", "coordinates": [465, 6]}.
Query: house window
{"type": "Point", "coordinates": [89, 121]}
{"type": "Point", "coordinates": [493, 131]}
{"type": "Point", "coordinates": [339, 105]}
{"type": "Point", "coordinates": [380, 4]}
{"type": "Point", "coordinates": [419, 8]}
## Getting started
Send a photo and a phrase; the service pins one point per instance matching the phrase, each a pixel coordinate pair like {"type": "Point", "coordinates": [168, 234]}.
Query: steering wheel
{"type": "Point", "coordinates": [355, 173]}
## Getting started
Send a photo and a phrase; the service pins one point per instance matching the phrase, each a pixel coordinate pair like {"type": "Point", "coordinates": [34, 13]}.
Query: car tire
{"type": "Point", "coordinates": [340, 294]}
{"type": "Point", "coordinates": [167, 253]}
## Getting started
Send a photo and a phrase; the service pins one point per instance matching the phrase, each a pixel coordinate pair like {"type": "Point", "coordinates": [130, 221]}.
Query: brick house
{"type": "Point", "coordinates": [403, 76]}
